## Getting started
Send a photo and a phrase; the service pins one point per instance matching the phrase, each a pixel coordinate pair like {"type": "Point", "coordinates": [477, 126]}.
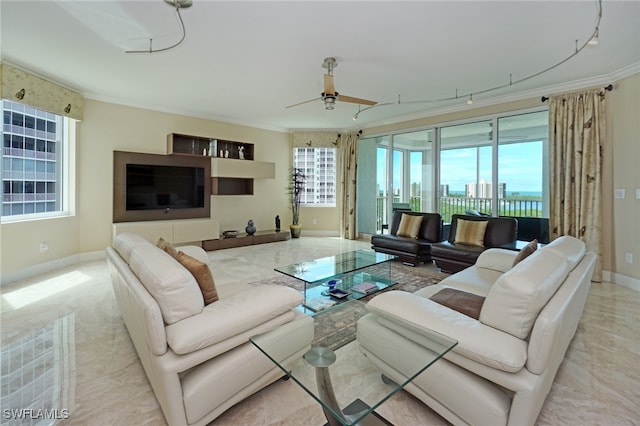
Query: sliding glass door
{"type": "Point", "coordinates": [496, 166]}
{"type": "Point", "coordinates": [403, 178]}
{"type": "Point", "coordinates": [466, 173]}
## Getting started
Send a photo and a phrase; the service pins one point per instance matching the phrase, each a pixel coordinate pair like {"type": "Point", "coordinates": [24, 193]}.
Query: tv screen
{"type": "Point", "coordinates": [160, 187]}
{"type": "Point", "coordinates": [164, 187]}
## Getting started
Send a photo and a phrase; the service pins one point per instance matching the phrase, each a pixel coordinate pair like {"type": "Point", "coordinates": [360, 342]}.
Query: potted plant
{"type": "Point", "coordinates": [295, 189]}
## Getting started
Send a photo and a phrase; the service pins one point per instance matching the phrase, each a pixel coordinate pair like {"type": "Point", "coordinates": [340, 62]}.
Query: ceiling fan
{"type": "Point", "coordinates": [330, 96]}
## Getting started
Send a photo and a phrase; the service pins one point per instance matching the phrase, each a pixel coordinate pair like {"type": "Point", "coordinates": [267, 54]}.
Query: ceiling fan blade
{"type": "Point", "coordinates": [303, 102]}
{"type": "Point", "coordinates": [351, 99]}
{"type": "Point", "coordinates": [329, 88]}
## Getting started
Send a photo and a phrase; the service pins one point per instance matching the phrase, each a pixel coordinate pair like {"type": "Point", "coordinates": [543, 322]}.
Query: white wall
{"type": "Point", "coordinates": [107, 127]}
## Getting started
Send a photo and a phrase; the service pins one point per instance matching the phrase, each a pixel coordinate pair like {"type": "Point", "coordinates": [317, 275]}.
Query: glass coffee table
{"type": "Point", "coordinates": [352, 272]}
{"type": "Point", "coordinates": [357, 388]}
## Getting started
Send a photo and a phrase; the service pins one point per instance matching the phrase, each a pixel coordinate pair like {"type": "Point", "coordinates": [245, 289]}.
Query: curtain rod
{"type": "Point", "coordinates": [607, 88]}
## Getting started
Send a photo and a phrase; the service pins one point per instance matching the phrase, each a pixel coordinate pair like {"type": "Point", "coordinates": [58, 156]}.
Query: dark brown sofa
{"type": "Point", "coordinates": [452, 257]}
{"type": "Point", "coordinates": [410, 250]}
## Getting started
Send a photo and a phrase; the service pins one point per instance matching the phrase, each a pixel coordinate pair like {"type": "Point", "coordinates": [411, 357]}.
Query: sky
{"type": "Point", "coordinates": [519, 166]}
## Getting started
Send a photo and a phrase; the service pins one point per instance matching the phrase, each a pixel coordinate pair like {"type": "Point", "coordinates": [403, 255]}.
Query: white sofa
{"type": "Point", "coordinates": [503, 366]}
{"type": "Point", "coordinates": [198, 358]}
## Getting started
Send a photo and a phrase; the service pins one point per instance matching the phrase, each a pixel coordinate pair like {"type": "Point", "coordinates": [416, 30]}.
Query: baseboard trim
{"type": "Point", "coordinates": [310, 233]}
{"type": "Point", "coordinates": [623, 280]}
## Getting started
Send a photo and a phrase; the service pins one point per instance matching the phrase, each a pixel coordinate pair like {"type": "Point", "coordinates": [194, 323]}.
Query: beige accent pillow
{"type": "Point", "coordinates": [471, 232]}
{"type": "Point", "coordinates": [409, 225]}
{"type": "Point", "coordinates": [202, 274]}
{"type": "Point", "coordinates": [526, 251]}
{"type": "Point", "coordinates": [167, 247]}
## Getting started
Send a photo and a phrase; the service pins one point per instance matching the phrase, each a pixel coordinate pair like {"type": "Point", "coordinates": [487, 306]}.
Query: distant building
{"type": "Point", "coordinates": [444, 190]}
{"type": "Point", "coordinates": [483, 189]}
{"type": "Point", "coordinates": [415, 189]}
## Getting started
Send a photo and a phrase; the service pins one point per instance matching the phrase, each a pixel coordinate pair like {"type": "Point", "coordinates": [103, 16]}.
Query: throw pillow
{"type": "Point", "coordinates": [526, 251]}
{"type": "Point", "coordinates": [470, 232]}
{"type": "Point", "coordinates": [202, 274]}
{"type": "Point", "coordinates": [409, 225]}
{"type": "Point", "coordinates": [468, 304]}
{"type": "Point", "coordinates": [167, 247]}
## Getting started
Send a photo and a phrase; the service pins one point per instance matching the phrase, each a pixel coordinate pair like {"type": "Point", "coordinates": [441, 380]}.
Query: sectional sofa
{"type": "Point", "coordinates": [195, 349]}
{"type": "Point", "coordinates": [513, 324]}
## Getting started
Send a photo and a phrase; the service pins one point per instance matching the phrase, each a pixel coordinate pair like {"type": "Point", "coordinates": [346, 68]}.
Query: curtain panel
{"type": "Point", "coordinates": [577, 132]}
{"type": "Point", "coordinates": [348, 155]}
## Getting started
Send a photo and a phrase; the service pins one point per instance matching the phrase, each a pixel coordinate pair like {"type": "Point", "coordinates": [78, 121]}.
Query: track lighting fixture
{"type": "Point", "coordinates": [592, 41]}
{"type": "Point", "coordinates": [178, 4]}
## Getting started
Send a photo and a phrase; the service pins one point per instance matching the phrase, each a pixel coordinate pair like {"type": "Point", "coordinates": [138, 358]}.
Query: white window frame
{"type": "Point", "coordinates": [64, 150]}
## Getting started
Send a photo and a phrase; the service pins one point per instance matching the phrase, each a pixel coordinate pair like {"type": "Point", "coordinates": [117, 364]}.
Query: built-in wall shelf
{"type": "Point", "coordinates": [233, 167]}
{"type": "Point", "coordinates": [198, 145]}
{"type": "Point", "coordinates": [231, 186]}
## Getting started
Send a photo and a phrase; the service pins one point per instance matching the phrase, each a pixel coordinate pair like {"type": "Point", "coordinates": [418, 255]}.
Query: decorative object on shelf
{"type": "Point", "coordinates": [204, 152]}
{"type": "Point", "coordinates": [230, 234]}
{"type": "Point", "coordinates": [295, 189]}
{"type": "Point", "coordinates": [221, 154]}
{"type": "Point", "coordinates": [277, 223]}
{"type": "Point", "coordinates": [241, 152]}
{"type": "Point", "coordinates": [250, 229]}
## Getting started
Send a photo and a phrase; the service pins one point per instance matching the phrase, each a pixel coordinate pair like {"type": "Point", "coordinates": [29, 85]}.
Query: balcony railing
{"type": "Point", "coordinates": [448, 206]}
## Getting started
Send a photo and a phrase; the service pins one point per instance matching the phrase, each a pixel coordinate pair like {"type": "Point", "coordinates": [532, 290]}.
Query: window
{"type": "Point", "coordinates": [466, 171]}
{"type": "Point", "coordinates": [499, 176]}
{"type": "Point", "coordinates": [33, 178]}
{"type": "Point", "coordinates": [319, 167]}
{"type": "Point", "coordinates": [495, 165]}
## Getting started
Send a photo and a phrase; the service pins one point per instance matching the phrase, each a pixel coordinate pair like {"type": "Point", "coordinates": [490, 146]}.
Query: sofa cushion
{"type": "Point", "coordinates": [516, 298]}
{"type": "Point", "coordinates": [526, 251]}
{"type": "Point", "coordinates": [171, 285]}
{"type": "Point", "coordinates": [414, 316]}
{"type": "Point", "coordinates": [125, 243]}
{"type": "Point", "coordinates": [202, 274]}
{"type": "Point", "coordinates": [496, 259]}
{"type": "Point", "coordinates": [231, 316]}
{"type": "Point", "coordinates": [471, 232]}
{"type": "Point", "coordinates": [409, 226]}
{"type": "Point", "coordinates": [406, 244]}
{"type": "Point", "coordinates": [461, 301]}
{"type": "Point", "coordinates": [573, 249]}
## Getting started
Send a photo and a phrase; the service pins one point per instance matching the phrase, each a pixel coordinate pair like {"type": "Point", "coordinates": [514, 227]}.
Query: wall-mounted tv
{"type": "Point", "coordinates": [160, 187]}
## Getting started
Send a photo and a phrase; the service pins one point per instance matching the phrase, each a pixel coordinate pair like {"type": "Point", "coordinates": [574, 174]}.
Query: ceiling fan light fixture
{"type": "Point", "coordinates": [329, 102]}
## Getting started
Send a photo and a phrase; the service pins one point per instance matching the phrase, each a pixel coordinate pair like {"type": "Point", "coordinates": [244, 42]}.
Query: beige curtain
{"type": "Point", "coordinates": [348, 154]}
{"type": "Point", "coordinates": [577, 132]}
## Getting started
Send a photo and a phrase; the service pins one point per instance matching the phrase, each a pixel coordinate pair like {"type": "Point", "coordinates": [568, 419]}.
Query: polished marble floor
{"type": "Point", "coordinates": [64, 348]}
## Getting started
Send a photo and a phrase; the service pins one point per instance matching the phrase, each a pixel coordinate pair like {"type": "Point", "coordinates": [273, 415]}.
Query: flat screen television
{"type": "Point", "coordinates": [160, 187]}
{"type": "Point", "coordinates": [151, 187]}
